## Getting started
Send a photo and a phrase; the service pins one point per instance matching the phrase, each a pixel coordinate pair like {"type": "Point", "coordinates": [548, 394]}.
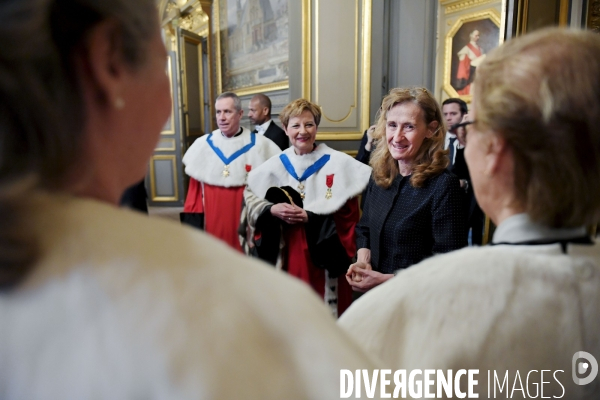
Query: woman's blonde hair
{"type": "Point", "coordinates": [297, 107]}
{"type": "Point", "coordinates": [541, 93]}
{"type": "Point", "coordinates": [431, 158]}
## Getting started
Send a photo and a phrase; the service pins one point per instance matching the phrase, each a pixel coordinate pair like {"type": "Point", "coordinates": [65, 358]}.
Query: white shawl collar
{"type": "Point", "coordinates": [350, 177]}
{"type": "Point", "coordinates": [203, 164]}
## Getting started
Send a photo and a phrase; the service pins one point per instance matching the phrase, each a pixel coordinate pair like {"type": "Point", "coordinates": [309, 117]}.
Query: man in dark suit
{"type": "Point", "coordinates": [260, 115]}
{"type": "Point", "coordinates": [454, 110]}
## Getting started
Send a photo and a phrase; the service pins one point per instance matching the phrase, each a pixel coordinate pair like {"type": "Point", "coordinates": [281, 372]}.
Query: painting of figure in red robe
{"type": "Point", "coordinates": [470, 44]}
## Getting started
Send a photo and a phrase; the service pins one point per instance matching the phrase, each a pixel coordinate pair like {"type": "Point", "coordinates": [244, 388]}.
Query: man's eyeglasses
{"type": "Point", "coordinates": [461, 125]}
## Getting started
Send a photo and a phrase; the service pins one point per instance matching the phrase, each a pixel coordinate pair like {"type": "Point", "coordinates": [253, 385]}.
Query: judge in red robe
{"type": "Point", "coordinates": [218, 165]}
{"type": "Point", "coordinates": [314, 240]}
{"type": "Point", "coordinates": [469, 57]}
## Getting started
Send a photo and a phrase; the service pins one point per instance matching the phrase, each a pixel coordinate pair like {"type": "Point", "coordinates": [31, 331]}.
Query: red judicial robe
{"type": "Point", "coordinates": [218, 167]}
{"type": "Point", "coordinates": [470, 52]}
{"type": "Point", "coordinates": [330, 200]}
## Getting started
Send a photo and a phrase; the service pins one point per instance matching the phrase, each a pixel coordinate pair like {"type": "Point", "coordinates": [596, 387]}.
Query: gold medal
{"type": "Point", "coordinates": [301, 190]}
{"type": "Point", "coordinates": [226, 171]}
{"type": "Point", "coordinates": [329, 183]}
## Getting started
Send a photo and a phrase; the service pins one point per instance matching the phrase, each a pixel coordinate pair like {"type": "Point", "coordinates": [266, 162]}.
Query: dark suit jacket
{"type": "Point", "coordinates": [402, 225]}
{"type": "Point", "coordinates": [363, 155]}
{"type": "Point", "coordinates": [475, 217]}
{"type": "Point", "coordinates": [277, 135]}
{"type": "Point", "coordinates": [135, 197]}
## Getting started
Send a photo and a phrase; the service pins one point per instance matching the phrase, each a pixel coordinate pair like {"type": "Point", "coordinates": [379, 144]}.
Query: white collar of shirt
{"type": "Point", "coordinates": [261, 129]}
{"type": "Point", "coordinates": [519, 228]}
{"type": "Point", "coordinates": [456, 144]}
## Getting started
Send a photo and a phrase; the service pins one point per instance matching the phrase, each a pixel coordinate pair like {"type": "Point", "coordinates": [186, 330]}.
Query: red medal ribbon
{"type": "Point", "coordinates": [329, 180]}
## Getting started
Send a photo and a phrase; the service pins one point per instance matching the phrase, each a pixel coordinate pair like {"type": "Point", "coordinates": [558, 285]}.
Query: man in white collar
{"type": "Point", "coordinates": [229, 113]}
{"type": "Point", "coordinates": [259, 113]}
{"type": "Point", "coordinates": [454, 110]}
{"type": "Point", "coordinates": [218, 164]}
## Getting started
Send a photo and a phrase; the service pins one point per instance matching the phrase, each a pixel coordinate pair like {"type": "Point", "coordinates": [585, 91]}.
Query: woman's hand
{"type": "Point", "coordinates": [370, 132]}
{"type": "Point", "coordinates": [355, 276]}
{"type": "Point", "coordinates": [363, 279]}
{"type": "Point", "coordinates": [289, 213]}
{"type": "Point", "coordinates": [364, 255]}
{"type": "Point", "coordinates": [461, 133]}
{"type": "Point", "coordinates": [363, 261]}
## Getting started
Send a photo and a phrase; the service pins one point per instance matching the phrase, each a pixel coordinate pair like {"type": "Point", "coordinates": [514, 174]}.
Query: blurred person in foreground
{"type": "Point", "coordinates": [104, 303]}
{"type": "Point", "coordinates": [413, 205]}
{"type": "Point", "coordinates": [531, 300]}
{"type": "Point", "coordinates": [316, 216]}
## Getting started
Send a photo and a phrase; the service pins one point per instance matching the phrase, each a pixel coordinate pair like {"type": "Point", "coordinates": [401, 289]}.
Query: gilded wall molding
{"type": "Point", "coordinates": [170, 128]}
{"type": "Point", "coordinates": [593, 19]}
{"type": "Point", "coordinates": [462, 5]}
{"type": "Point", "coordinates": [269, 87]}
{"type": "Point", "coordinates": [349, 124]}
{"type": "Point", "coordinates": [196, 22]}
{"type": "Point", "coordinates": [349, 135]}
{"type": "Point", "coordinates": [154, 196]}
{"type": "Point", "coordinates": [218, 55]}
{"type": "Point", "coordinates": [166, 144]}
{"type": "Point", "coordinates": [366, 65]}
{"type": "Point", "coordinates": [316, 76]}
{"type": "Point", "coordinates": [306, 48]}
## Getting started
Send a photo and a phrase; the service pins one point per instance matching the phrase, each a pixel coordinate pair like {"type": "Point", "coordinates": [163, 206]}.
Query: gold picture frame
{"type": "Point", "coordinates": [593, 15]}
{"type": "Point", "coordinates": [457, 80]}
{"type": "Point", "coordinates": [223, 54]}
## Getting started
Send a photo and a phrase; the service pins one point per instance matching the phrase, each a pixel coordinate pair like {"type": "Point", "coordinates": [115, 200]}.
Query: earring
{"type": "Point", "coordinates": [119, 103]}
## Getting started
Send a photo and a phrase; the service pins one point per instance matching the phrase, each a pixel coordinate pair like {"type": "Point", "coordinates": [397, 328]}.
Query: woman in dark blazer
{"type": "Point", "coordinates": [413, 207]}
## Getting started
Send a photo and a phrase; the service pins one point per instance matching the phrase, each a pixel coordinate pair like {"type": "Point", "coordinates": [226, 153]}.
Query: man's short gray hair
{"type": "Point", "coordinates": [230, 95]}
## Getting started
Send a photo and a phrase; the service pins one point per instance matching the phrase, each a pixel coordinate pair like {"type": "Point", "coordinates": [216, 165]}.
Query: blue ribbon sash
{"type": "Point", "coordinates": [231, 158]}
{"type": "Point", "coordinates": [309, 171]}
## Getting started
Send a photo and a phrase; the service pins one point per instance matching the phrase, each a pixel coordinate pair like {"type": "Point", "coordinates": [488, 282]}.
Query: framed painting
{"type": "Point", "coordinates": [468, 41]}
{"type": "Point", "coordinates": [253, 45]}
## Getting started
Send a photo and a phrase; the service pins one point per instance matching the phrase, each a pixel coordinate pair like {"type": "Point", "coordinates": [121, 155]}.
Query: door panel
{"type": "Point", "coordinates": [167, 181]}
{"type": "Point", "coordinates": [165, 173]}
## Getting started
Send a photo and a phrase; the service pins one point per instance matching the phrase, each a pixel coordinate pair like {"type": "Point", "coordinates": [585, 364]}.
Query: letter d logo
{"type": "Point", "coordinates": [581, 367]}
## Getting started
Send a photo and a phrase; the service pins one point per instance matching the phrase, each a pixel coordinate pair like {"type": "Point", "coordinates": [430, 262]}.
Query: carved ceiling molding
{"type": "Point", "coordinates": [194, 21]}
{"type": "Point", "coordinates": [452, 6]}
{"type": "Point", "coordinates": [190, 16]}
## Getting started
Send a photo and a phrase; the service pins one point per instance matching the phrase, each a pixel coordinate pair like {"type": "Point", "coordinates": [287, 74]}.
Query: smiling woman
{"type": "Point", "coordinates": [317, 217]}
{"type": "Point", "coordinates": [302, 131]}
{"type": "Point", "coordinates": [413, 205]}
{"type": "Point", "coordinates": [529, 301]}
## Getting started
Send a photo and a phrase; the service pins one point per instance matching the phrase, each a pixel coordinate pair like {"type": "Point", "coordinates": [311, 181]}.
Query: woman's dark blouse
{"type": "Point", "coordinates": [403, 225]}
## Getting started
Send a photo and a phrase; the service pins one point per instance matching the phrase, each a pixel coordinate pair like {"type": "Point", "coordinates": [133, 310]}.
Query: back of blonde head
{"type": "Point", "coordinates": [541, 92]}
